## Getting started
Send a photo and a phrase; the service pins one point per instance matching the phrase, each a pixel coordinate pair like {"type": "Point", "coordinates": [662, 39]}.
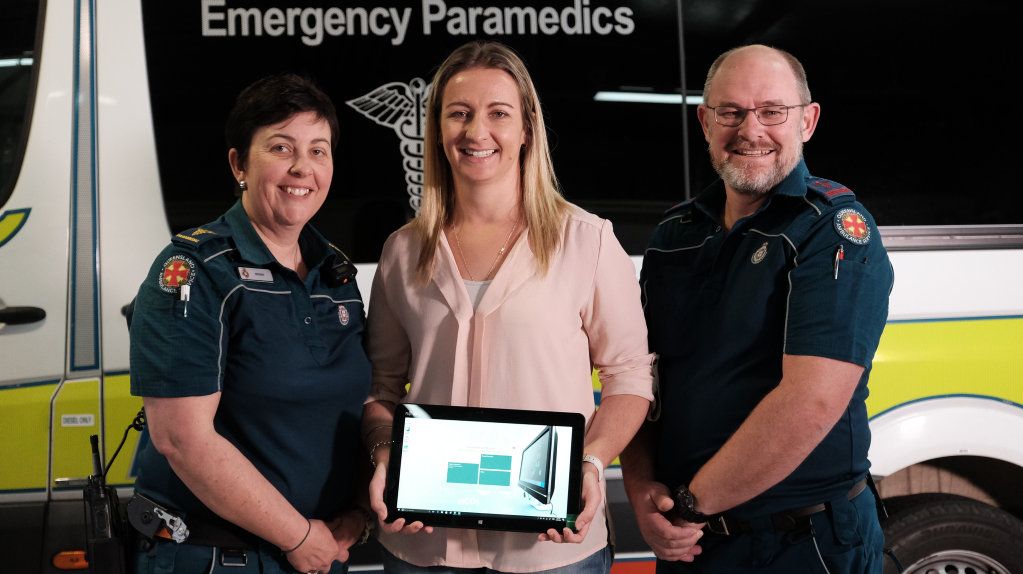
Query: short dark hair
{"type": "Point", "coordinates": [271, 100]}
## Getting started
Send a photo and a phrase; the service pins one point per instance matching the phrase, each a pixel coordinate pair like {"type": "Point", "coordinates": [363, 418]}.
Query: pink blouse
{"type": "Point", "coordinates": [531, 344]}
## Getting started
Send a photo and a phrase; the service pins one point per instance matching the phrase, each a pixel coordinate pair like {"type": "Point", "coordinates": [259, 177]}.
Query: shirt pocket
{"type": "Point", "coordinates": [265, 318]}
{"type": "Point", "coordinates": [673, 281]}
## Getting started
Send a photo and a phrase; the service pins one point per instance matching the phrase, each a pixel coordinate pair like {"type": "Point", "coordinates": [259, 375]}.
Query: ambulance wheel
{"type": "Point", "coordinates": [948, 534]}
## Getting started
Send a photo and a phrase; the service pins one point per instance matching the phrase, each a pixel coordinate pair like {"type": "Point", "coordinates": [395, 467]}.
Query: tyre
{"type": "Point", "coordinates": [948, 534]}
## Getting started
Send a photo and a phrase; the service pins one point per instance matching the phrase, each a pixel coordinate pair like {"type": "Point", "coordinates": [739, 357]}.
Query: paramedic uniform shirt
{"type": "Point", "coordinates": [722, 308]}
{"type": "Point", "coordinates": [286, 354]}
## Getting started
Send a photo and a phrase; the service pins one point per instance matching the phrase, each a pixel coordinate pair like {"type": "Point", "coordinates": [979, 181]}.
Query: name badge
{"type": "Point", "coordinates": [253, 274]}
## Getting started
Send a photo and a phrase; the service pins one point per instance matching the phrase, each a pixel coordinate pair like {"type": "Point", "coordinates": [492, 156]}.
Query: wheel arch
{"type": "Point", "coordinates": [954, 445]}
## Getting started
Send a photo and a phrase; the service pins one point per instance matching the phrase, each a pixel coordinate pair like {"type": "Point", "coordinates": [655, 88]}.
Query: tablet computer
{"type": "Point", "coordinates": [493, 469]}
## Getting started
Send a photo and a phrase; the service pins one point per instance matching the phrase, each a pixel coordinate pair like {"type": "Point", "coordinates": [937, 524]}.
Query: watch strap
{"type": "Point", "coordinates": [685, 505]}
{"type": "Point", "coordinates": [596, 462]}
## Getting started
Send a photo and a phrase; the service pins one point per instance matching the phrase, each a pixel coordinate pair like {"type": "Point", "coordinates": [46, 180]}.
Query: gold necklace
{"type": "Point", "coordinates": [500, 252]}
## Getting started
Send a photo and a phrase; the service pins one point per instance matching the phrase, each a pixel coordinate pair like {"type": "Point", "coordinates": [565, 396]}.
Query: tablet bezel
{"type": "Point", "coordinates": [478, 414]}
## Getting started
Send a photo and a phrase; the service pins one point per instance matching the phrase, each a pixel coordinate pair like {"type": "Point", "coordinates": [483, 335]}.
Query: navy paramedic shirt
{"type": "Point", "coordinates": [286, 355]}
{"type": "Point", "coordinates": [722, 308]}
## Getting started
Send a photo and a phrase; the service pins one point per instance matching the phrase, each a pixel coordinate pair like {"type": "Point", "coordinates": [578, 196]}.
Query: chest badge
{"type": "Point", "coordinates": [342, 315]}
{"type": "Point", "coordinates": [177, 271]}
{"type": "Point", "coordinates": [851, 225]}
{"type": "Point", "coordinates": [759, 254]}
{"type": "Point", "coordinates": [254, 274]}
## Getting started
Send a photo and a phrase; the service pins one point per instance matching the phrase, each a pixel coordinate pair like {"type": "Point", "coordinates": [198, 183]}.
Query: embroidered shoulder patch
{"type": "Point", "coordinates": [851, 225]}
{"type": "Point", "coordinates": [828, 188]}
{"type": "Point", "coordinates": [177, 271]}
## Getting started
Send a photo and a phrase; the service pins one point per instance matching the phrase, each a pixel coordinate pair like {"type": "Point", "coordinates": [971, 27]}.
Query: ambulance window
{"type": "Point", "coordinates": [17, 56]}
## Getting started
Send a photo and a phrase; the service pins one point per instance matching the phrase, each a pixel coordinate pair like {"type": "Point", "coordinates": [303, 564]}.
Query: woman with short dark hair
{"type": "Point", "coordinates": [246, 346]}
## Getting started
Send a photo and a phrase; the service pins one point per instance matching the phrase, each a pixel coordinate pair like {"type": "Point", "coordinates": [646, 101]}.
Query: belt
{"type": "Point", "coordinates": [786, 521]}
{"type": "Point", "coordinates": [211, 531]}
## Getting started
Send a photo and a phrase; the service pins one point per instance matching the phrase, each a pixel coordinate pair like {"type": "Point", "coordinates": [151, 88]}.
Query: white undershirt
{"type": "Point", "coordinates": [476, 289]}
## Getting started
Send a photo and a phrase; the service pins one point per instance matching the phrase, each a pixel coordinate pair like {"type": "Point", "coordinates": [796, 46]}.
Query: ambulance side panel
{"type": "Point", "coordinates": [131, 230]}
{"type": "Point", "coordinates": [34, 273]}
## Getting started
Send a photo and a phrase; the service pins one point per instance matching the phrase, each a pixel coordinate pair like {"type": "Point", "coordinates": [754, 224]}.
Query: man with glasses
{"type": "Point", "coordinates": [765, 298]}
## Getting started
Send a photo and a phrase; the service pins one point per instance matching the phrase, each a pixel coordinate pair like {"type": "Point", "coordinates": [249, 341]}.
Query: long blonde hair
{"type": "Point", "coordinates": [543, 206]}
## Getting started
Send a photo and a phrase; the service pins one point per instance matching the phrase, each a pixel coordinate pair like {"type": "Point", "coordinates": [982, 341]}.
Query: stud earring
{"type": "Point", "coordinates": [242, 186]}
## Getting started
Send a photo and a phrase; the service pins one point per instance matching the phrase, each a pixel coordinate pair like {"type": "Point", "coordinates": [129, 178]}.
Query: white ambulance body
{"type": "Point", "coordinates": [84, 209]}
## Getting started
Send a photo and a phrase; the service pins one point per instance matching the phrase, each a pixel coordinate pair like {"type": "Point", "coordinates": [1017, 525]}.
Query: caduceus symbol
{"type": "Point", "coordinates": [401, 107]}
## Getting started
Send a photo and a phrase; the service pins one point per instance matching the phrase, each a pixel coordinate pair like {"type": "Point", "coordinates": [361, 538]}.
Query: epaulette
{"type": "Point", "coordinates": [197, 236]}
{"type": "Point", "coordinates": [680, 206]}
{"type": "Point", "coordinates": [831, 191]}
{"type": "Point", "coordinates": [337, 250]}
{"type": "Point", "coordinates": [341, 270]}
{"type": "Point", "coordinates": [681, 211]}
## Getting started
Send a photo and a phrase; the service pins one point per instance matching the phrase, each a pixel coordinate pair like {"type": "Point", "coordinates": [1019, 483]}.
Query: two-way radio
{"type": "Point", "coordinates": [107, 536]}
{"type": "Point", "coordinates": [104, 526]}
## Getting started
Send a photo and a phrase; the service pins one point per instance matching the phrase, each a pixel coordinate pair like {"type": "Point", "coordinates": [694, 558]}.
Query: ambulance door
{"type": "Point", "coordinates": [37, 193]}
{"type": "Point", "coordinates": [132, 224]}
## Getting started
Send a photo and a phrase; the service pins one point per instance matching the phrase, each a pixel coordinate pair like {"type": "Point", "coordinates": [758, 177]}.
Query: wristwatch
{"type": "Point", "coordinates": [685, 505]}
{"type": "Point", "coordinates": [370, 525]}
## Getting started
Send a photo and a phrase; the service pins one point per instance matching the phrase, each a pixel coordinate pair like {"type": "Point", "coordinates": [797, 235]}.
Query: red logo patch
{"type": "Point", "coordinates": [854, 225]}
{"type": "Point", "coordinates": [851, 225]}
{"type": "Point", "coordinates": [342, 315]}
{"type": "Point", "coordinates": [177, 271]}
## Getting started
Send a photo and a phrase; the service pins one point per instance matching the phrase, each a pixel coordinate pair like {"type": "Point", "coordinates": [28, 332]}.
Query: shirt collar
{"type": "Point", "coordinates": [251, 247]}
{"type": "Point", "coordinates": [712, 200]}
{"type": "Point", "coordinates": [794, 184]}
{"type": "Point", "coordinates": [315, 247]}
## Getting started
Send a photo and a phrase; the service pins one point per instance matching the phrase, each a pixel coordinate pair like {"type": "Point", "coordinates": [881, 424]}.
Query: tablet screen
{"type": "Point", "coordinates": [485, 468]}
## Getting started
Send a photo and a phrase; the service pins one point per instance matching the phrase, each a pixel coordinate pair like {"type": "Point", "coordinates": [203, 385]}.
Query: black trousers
{"type": "Point", "coordinates": [167, 557]}
{"type": "Point", "coordinates": [844, 539]}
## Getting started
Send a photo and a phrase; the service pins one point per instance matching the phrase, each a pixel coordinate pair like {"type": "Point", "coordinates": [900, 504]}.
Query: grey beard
{"type": "Point", "coordinates": [754, 183]}
{"type": "Point", "coordinates": [746, 183]}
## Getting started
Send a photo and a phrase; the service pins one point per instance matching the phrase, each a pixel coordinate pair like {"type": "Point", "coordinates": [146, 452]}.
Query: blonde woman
{"type": "Point", "coordinates": [502, 294]}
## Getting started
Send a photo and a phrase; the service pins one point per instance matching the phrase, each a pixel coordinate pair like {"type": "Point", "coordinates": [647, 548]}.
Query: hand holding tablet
{"type": "Point", "coordinates": [376, 497]}
{"type": "Point", "coordinates": [575, 530]}
{"type": "Point", "coordinates": [495, 469]}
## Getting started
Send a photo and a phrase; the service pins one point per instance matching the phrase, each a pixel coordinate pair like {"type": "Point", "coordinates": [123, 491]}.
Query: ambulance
{"type": "Point", "coordinates": [111, 114]}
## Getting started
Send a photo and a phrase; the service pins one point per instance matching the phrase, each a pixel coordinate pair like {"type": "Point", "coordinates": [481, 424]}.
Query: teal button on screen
{"type": "Point", "coordinates": [495, 477]}
{"type": "Point", "coordinates": [495, 461]}
{"type": "Point", "coordinates": [463, 473]}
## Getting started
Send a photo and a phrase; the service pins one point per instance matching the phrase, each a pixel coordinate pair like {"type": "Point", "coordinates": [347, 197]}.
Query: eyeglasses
{"type": "Point", "coordinates": [732, 117]}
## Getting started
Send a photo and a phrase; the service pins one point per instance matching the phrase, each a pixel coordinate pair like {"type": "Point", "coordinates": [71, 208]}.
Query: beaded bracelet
{"type": "Point", "coordinates": [309, 528]}
{"type": "Point", "coordinates": [373, 450]}
{"type": "Point", "coordinates": [368, 434]}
